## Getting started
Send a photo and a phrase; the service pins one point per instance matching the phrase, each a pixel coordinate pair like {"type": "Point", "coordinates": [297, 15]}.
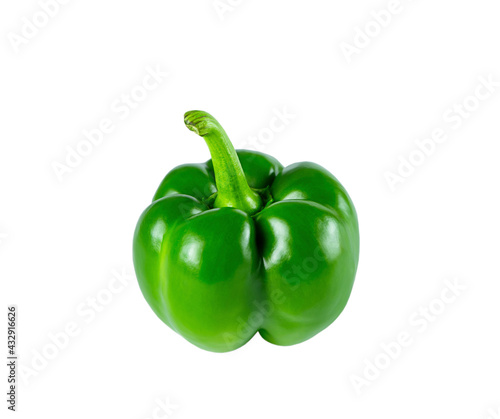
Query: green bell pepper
{"type": "Point", "coordinates": [240, 245]}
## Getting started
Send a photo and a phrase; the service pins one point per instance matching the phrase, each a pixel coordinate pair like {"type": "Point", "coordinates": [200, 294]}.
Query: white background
{"type": "Point", "coordinates": [61, 238]}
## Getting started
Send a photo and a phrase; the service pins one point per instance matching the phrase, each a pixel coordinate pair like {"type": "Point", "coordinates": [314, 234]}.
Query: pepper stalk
{"type": "Point", "coordinates": [232, 186]}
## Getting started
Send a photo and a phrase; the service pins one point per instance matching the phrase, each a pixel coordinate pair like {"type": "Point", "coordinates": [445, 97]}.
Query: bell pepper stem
{"type": "Point", "coordinates": [232, 186]}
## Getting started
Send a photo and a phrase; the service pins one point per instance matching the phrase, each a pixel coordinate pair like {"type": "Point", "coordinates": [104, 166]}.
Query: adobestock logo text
{"type": "Point", "coordinates": [453, 118]}
{"type": "Point", "coordinates": [492, 414]}
{"type": "Point", "coordinates": [120, 109]}
{"type": "Point", "coordinates": [419, 321]}
{"type": "Point", "coordinates": [223, 7]}
{"type": "Point", "coordinates": [31, 26]}
{"type": "Point", "coordinates": [280, 120]}
{"type": "Point", "coordinates": [364, 35]}
{"type": "Point", "coordinates": [86, 313]}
